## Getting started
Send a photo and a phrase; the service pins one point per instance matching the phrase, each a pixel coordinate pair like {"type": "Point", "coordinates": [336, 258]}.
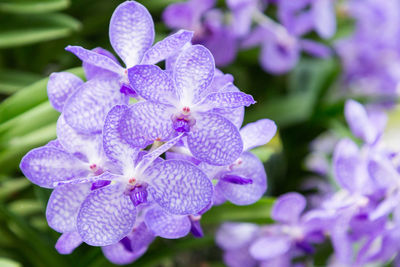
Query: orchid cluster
{"type": "Point", "coordinates": [244, 25]}
{"type": "Point", "coordinates": [142, 151]}
{"type": "Point", "coordinates": [370, 56]}
{"type": "Point", "coordinates": [360, 219]}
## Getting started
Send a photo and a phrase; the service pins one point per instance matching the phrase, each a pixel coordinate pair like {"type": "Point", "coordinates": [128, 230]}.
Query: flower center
{"type": "Point", "coordinates": [182, 122]}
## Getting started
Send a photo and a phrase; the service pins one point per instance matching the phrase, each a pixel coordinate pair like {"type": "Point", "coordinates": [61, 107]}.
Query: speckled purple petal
{"type": "Point", "coordinates": [214, 139]}
{"type": "Point", "coordinates": [95, 59]}
{"type": "Point", "coordinates": [236, 235]}
{"type": "Point", "coordinates": [145, 122]}
{"type": "Point", "coordinates": [167, 225]}
{"type": "Point", "coordinates": [114, 146]}
{"type": "Point", "coordinates": [246, 194]}
{"type": "Point", "coordinates": [140, 238]}
{"type": "Point", "coordinates": [194, 72]}
{"type": "Point", "coordinates": [92, 71]}
{"type": "Point", "coordinates": [63, 206]}
{"type": "Point", "coordinates": [89, 146]}
{"type": "Point", "coordinates": [167, 47]}
{"type": "Point", "coordinates": [357, 118]}
{"type": "Point", "coordinates": [87, 108]}
{"type": "Point", "coordinates": [229, 100]}
{"type": "Point", "coordinates": [269, 247]}
{"type": "Point", "coordinates": [179, 187]}
{"type": "Point", "coordinates": [152, 83]}
{"type": "Point", "coordinates": [60, 86]}
{"type": "Point", "coordinates": [257, 133]}
{"type": "Point", "coordinates": [67, 242]}
{"type": "Point", "coordinates": [46, 165]}
{"type": "Point", "coordinates": [131, 32]}
{"type": "Point", "coordinates": [106, 176]}
{"type": "Point", "coordinates": [288, 207]}
{"type": "Point", "coordinates": [324, 16]}
{"type": "Point", "coordinates": [106, 216]}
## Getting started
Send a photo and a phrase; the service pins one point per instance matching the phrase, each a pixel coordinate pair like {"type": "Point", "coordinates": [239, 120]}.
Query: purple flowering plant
{"type": "Point", "coordinates": [144, 154]}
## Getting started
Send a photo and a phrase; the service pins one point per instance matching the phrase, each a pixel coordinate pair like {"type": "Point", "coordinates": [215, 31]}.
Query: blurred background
{"type": "Point", "coordinates": [33, 35]}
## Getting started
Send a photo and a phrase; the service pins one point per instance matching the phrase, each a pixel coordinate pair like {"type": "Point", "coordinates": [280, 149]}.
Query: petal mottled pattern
{"type": "Point", "coordinates": [61, 85]}
{"type": "Point", "coordinates": [214, 139]}
{"type": "Point", "coordinates": [87, 108]}
{"type": "Point", "coordinates": [257, 133]}
{"type": "Point", "coordinates": [179, 187]}
{"type": "Point", "coordinates": [131, 32]}
{"type": "Point", "coordinates": [63, 206]}
{"type": "Point", "coordinates": [106, 216]}
{"type": "Point", "coordinates": [46, 165]}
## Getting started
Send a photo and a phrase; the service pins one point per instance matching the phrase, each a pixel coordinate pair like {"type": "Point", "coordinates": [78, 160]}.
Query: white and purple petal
{"type": "Point", "coordinates": [116, 148]}
{"type": "Point", "coordinates": [214, 139]}
{"type": "Point", "coordinates": [257, 133]}
{"type": "Point", "coordinates": [167, 225]}
{"type": "Point", "coordinates": [179, 187]}
{"type": "Point", "coordinates": [60, 86]}
{"type": "Point", "coordinates": [193, 73]}
{"type": "Point", "coordinates": [270, 247]}
{"type": "Point", "coordinates": [92, 71]}
{"type": "Point", "coordinates": [87, 108]}
{"type": "Point", "coordinates": [46, 165]}
{"type": "Point", "coordinates": [167, 47]}
{"type": "Point", "coordinates": [67, 242]}
{"type": "Point", "coordinates": [131, 32]}
{"type": "Point", "coordinates": [251, 169]}
{"type": "Point", "coordinates": [152, 83]}
{"type": "Point", "coordinates": [63, 206]}
{"type": "Point", "coordinates": [106, 216]}
{"type": "Point", "coordinates": [96, 59]}
{"type": "Point", "coordinates": [145, 122]}
{"type": "Point", "coordinates": [229, 100]}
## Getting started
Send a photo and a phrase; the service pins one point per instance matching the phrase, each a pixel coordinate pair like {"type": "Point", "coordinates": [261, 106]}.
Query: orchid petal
{"type": "Point", "coordinates": [194, 72]}
{"type": "Point", "coordinates": [95, 59]}
{"type": "Point", "coordinates": [131, 32]}
{"type": "Point", "coordinates": [214, 139]}
{"type": "Point", "coordinates": [357, 118]}
{"type": "Point", "coordinates": [245, 194]}
{"type": "Point", "coordinates": [179, 187]}
{"type": "Point", "coordinates": [106, 216]}
{"type": "Point", "coordinates": [46, 165]}
{"type": "Point", "coordinates": [270, 247]}
{"type": "Point", "coordinates": [63, 206]}
{"type": "Point", "coordinates": [60, 86]}
{"type": "Point", "coordinates": [229, 100]}
{"type": "Point", "coordinates": [232, 236]}
{"type": "Point", "coordinates": [152, 83]}
{"type": "Point", "coordinates": [167, 225]}
{"type": "Point", "coordinates": [167, 47]}
{"type": "Point", "coordinates": [145, 122]}
{"type": "Point", "coordinates": [324, 15]}
{"type": "Point", "coordinates": [114, 146]}
{"type": "Point", "coordinates": [92, 71]}
{"type": "Point", "coordinates": [87, 108]}
{"type": "Point", "coordinates": [67, 242]}
{"type": "Point", "coordinates": [288, 207]}
{"type": "Point", "coordinates": [257, 133]}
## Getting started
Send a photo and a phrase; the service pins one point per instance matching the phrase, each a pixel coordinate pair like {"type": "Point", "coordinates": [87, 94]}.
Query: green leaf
{"type": "Point", "coordinates": [32, 6]}
{"type": "Point", "coordinates": [9, 263]}
{"type": "Point", "coordinates": [18, 146]}
{"type": "Point", "coordinates": [12, 80]}
{"type": "Point", "coordinates": [258, 212]}
{"type": "Point", "coordinates": [24, 30]}
{"type": "Point", "coordinates": [24, 207]}
{"type": "Point", "coordinates": [12, 186]}
{"type": "Point", "coordinates": [28, 98]}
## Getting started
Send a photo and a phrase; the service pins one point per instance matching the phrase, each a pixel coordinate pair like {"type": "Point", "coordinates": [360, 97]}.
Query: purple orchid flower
{"type": "Point", "coordinates": [131, 35]}
{"type": "Point", "coordinates": [244, 181]}
{"type": "Point", "coordinates": [108, 213]}
{"type": "Point", "coordinates": [185, 104]}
